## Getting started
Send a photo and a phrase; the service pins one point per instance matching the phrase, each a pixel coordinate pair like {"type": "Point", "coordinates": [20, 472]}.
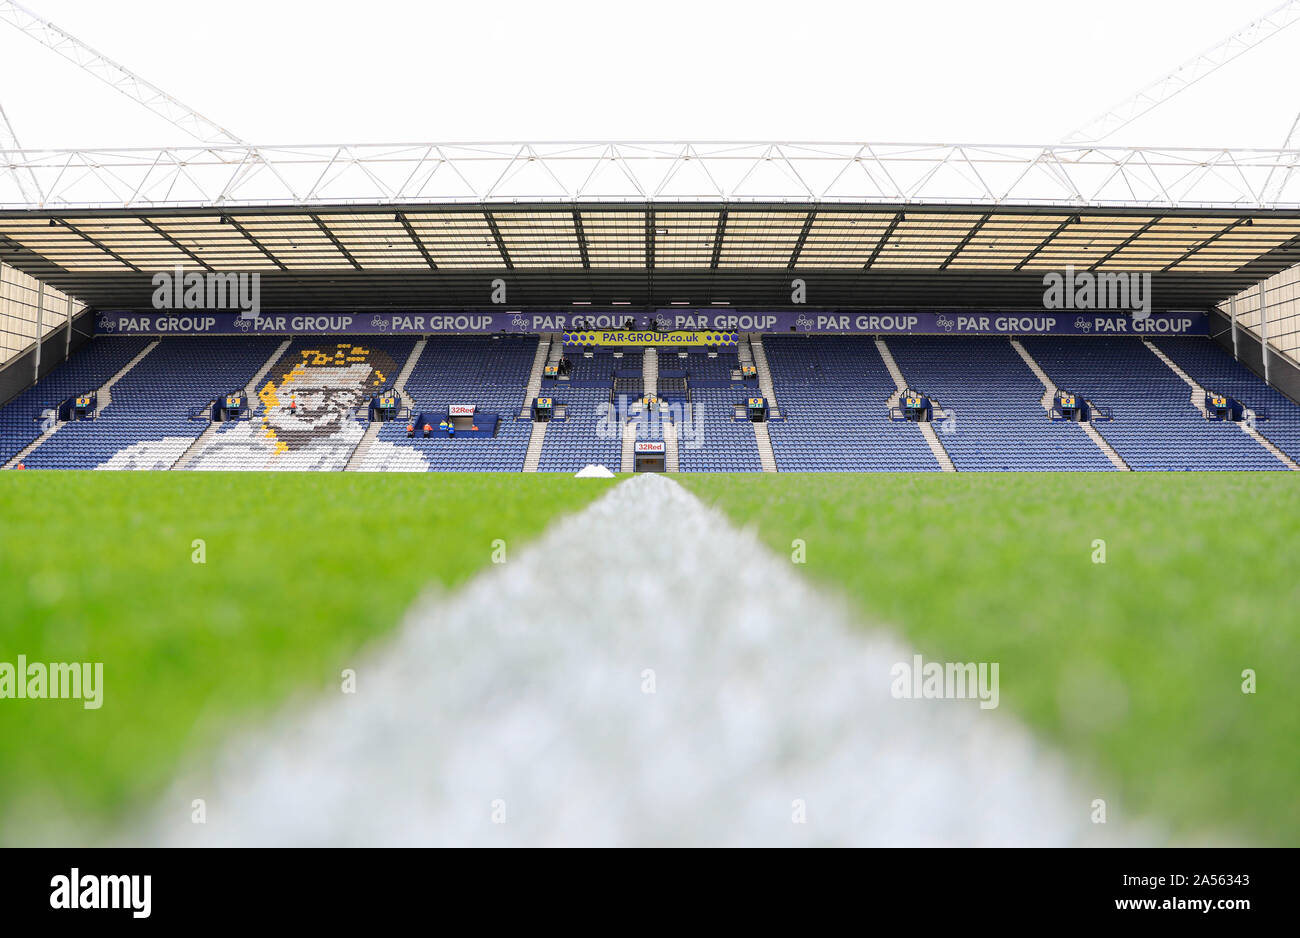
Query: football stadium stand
{"type": "Point", "coordinates": [158, 408]}
{"type": "Point", "coordinates": [587, 436]}
{"type": "Point", "coordinates": [488, 373]}
{"type": "Point", "coordinates": [993, 399]}
{"type": "Point", "coordinates": [712, 440]}
{"type": "Point", "coordinates": [1215, 370]}
{"type": "Point", "coordinates": [704, 370]}
{"type": "Point", "coordinates": [306, 415]}
{"type": "Point", "coordinates": [709, 438]}
{"type": "Point", "coordinates": [88, 369]}
{"type": "Point", "coordinates": [1156, 425]}
{"type": "Point", "coordinates": [310, 400]}
{"type": "Point", "coordinates": [834, 393]}
{"type": "Point", "coordinates": [590, 434]}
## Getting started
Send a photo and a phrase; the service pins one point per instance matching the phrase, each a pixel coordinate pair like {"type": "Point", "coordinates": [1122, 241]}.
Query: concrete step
{"type": "Point", "coordinates": [1197, 398]}
{"type": "Point", "coordinates": [672, 457]}
{"type": "Point", "coordinates": [626, 460]}
{"type": "Point", "coordinates": [27, 450]}
{"type": "Point", "coordinates": [900, 384]}
{"type": "Point", "coordinates": [766, 458]}
{"type": "Point", "coordinates": [405, 374]}
{"type": "Point", "coordinates": [358, 457]}
{"type": "Point", "coordinates": [200, 443]}
{"type": "Point", "coordinates": [104, 397]}
{"type": "Point", "coordinates": [362, 450]}
{"type": "Point", "coordinates": [533, 457]}
{"type": "Point", "coordinates": [1100, 441]}
{"type": "Point", "coordinates": [936, 447]}
{"type": "Point", "coordinates": [1049, 386]}
{"type": "Point", "coordinates": [1198, 402]}
{"type": "Point", "coordinates": [650, 371]}
{"type": "Point", "coordinates": [250, 389]}
{"type": "Point", "coordinates": [1049, 397]}
{"type": "Point", "coordinates": [764, 374]}
{"type": "Point", "coordinates": [540, 359]}
{"type": "Point", "coordinates": [105, 393]}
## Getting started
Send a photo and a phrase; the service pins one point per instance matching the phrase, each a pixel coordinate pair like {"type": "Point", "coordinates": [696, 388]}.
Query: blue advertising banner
{"type": "Point", "coordinates": [900, 323]}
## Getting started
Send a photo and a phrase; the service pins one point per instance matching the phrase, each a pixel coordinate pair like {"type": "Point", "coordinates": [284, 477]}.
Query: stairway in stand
{"type": "Point", "coordinates": [250, 391]}
{"type": "Point", "coordinates": [104, 397]}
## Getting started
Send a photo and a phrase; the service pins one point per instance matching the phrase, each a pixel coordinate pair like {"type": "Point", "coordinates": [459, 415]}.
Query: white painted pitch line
{"type": "Point", "coordinates": [523, 693]}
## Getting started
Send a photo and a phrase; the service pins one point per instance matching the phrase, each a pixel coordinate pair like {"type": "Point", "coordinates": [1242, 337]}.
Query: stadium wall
{"type": "Point", "coordinates": [16, 373]}
{"type": "Point", "coordinates": [22, 304]}
{"type": "Point", "coordinates": [1283, 371]}
{"type": "Point", "coordinates": [1279, 310]}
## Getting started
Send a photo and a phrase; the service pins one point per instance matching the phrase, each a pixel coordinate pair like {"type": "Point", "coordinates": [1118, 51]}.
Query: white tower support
{"type": "Point", "coordinates": [1279, 176]}
{"type": "Point", "coordinates": [1187, 74]}
{"type": "Point", "coordinates": [134, 87]}
{"type": "Point", "coordinates": [114, 75]}
{"type": "Point", "coordinates": [25, 178]}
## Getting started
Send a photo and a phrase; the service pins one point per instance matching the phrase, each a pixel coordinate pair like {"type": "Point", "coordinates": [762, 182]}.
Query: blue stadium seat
{"type": "Point", "coordinates": [151, 414]}
{"type": "Point", "coordinates": [1156, 426]}
{"type": "Point", "coordinates": [1000, 424]}
{"type": "Point", "coordinates": [1214, 368]}
{"type": "Point", "coordinates": [832, 391]}
{"type": "Point", "coordinates": [489, 371]}
{"type": "Point", "coordinates": [87, 369]}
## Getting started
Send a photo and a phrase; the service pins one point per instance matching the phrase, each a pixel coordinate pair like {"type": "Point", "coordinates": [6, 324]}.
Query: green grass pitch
{"type": "Point", "coordinates": [302, 570]}
{"type": "Point", "coordinates": [1133, 666]}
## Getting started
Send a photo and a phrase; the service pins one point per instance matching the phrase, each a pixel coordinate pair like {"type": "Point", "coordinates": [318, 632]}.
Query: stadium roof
{"type": "Point", "coordinates": [652, 224]}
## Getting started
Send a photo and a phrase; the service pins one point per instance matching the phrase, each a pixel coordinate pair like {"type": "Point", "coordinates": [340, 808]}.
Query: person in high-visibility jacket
{"type": "Point", "coordinates": [427, 429]}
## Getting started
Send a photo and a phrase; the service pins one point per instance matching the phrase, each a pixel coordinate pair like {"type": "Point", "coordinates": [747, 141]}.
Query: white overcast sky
{"type": "Point", "coordinates": [383, 71]}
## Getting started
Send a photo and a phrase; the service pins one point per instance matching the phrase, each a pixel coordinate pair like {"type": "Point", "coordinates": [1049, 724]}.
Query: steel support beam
{"type": "Point", "coordinates": [1232, 312]}
{"type": "Point", "coordinates": [220, 177]}
{"type": "Point", "coordinates": [40, 325]}
{"type": "Point", "coordinates": [1263, 331]}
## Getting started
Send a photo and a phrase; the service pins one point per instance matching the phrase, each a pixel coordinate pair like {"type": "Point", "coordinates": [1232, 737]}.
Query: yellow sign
{"type": "Point", "coordinates": [624, 339]}
{"type": "Point", "coordinates": [543, 402]}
